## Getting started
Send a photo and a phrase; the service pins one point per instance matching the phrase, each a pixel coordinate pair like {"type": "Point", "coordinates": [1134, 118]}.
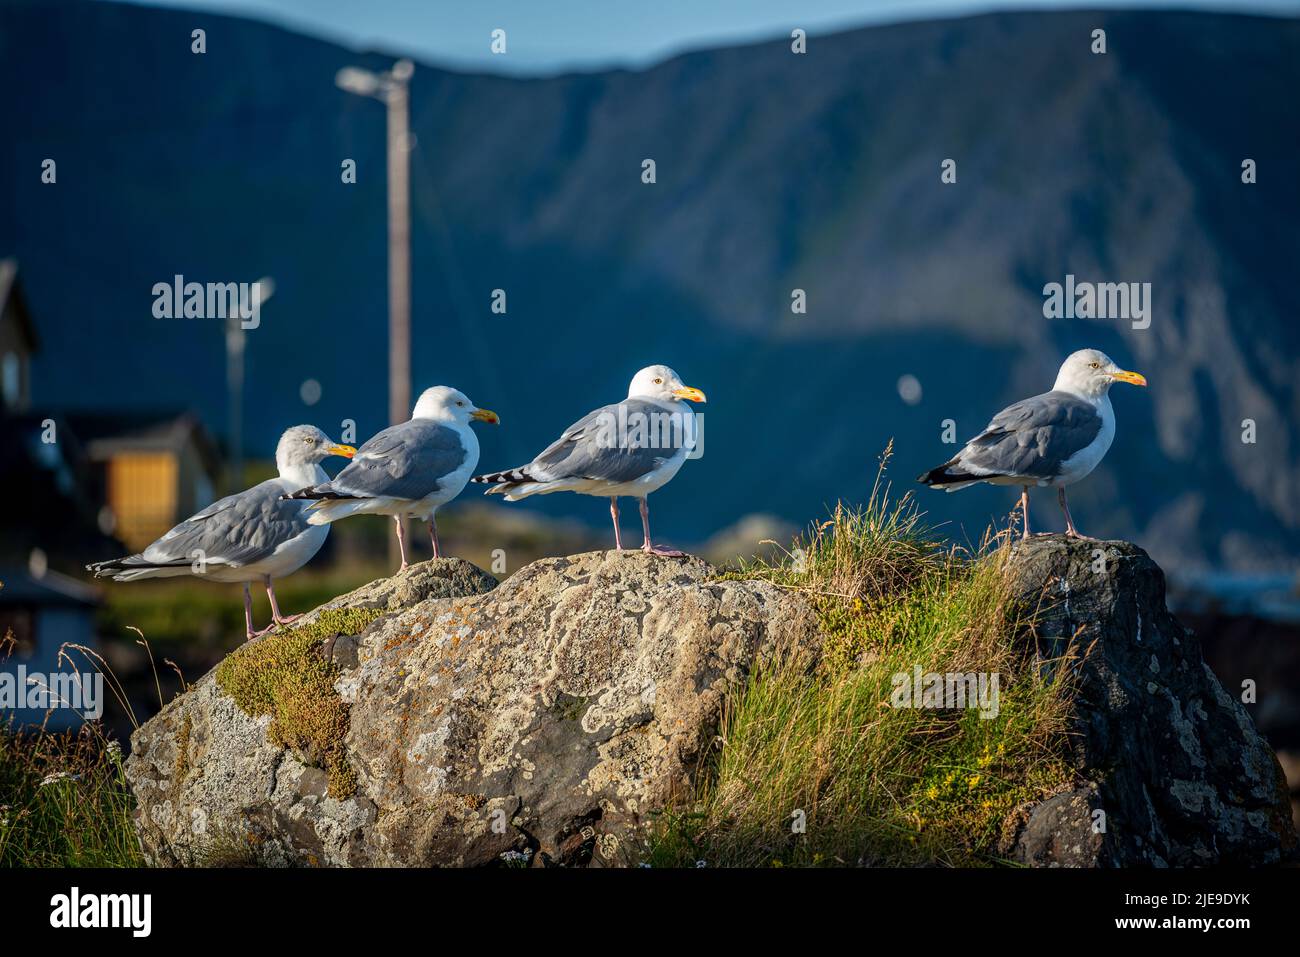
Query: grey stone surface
{"type": "Point", "coordinates": [1171, 769]}
{"type": "Point", "coordinates": [549, 716]}
{"type": "Point", "coordinates": [552, 714]}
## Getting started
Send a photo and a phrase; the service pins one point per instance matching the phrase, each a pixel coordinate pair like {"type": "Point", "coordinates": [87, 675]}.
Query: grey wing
{"type": "Point", "coordinates": [405, 461]}
{"type": "Point", "coordinates": [596, 447]}
{"type": "Point", "coordinates": [1033, 437]}
{"type": "Point", "coordinates": [237, 530]}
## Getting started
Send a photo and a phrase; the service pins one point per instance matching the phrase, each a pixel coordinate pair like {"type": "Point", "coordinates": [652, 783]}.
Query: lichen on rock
{"type": "Point", "coordinates": [286, 675]}
{"type": "Point", "coordinates": [437, 719]}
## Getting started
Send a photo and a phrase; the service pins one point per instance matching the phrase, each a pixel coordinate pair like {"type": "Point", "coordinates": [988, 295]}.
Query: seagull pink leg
{"type": "Point", "coordinates": [1070, 530]}
{"type": "Point", "coordinates": [248, 617]}
{"type": "Point", "coordinates": [645, 527]}
{"type": "Point", "coordinates": [401, 540]}
{"type": "Point", "coordinates": [1024, 507]}
{"type": "Point", "coordinates": [433, 537]}
{"type": "Point", "coordinates": [613, 511]}
{"type": "Point", "coordinates": [276, 617]}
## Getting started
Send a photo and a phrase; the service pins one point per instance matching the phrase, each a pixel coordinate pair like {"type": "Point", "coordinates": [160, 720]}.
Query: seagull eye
{"type": "Point", "coordinates": [1095, 365]}
{"type": "Point", "coordinates": [460, 403]}
{"type": "Point", "coordinates": [659, 381]}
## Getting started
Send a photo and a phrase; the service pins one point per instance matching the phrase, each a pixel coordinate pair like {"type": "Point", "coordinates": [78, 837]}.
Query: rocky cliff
{"type": "Point", "coordinates": [436, 718]}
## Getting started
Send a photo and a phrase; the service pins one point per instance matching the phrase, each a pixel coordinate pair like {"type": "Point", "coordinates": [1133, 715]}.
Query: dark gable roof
{"type": "Point", "coordinates": [11, 295]}
{"type": "Point", "coordinates": [105, 433]}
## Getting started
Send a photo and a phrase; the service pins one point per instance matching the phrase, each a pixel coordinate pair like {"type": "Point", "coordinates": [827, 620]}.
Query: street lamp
{"type": "Point", "coordinates": [262, 290]}
{"type": "Point", "coordinates": [391, 88]}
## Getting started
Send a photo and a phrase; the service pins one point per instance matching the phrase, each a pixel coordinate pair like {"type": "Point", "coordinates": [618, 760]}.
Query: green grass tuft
{"type": "Point", "coordinates": [64, 801]}
{"type": "Point", "coordinates": [285, 675]}
{"type": "Point", "coordinates": [816, 767]}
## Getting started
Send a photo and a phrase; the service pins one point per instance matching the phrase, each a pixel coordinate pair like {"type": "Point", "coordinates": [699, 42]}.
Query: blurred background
{"type": "Point", "coordinates": [773, 172]}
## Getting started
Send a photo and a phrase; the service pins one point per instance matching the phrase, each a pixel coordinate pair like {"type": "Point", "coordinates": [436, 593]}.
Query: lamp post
{"type": "Point", "coordinates": [391, 88]}
{"type": "Point", "coordinates": [263, 289]}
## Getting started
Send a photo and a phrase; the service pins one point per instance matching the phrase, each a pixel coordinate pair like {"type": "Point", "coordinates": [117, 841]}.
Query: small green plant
{"type": "Point", "coordinates": [818, 767]}
{"type": "Point", "coordinates": [64, 801]}
{"type": "Point", "coordinates": [286, 676]}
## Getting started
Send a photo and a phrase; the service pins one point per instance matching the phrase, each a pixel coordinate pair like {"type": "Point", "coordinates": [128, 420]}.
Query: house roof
{"type": "Point", "coordinates": [107, 433]}
{"type": "Point", "coordinates": [11, 295]}
{"type": "Point", "coordinates": [20, 587]}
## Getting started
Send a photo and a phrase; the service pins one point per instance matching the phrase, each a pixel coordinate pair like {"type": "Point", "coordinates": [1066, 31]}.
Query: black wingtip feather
{"type": "Point", "coordinates": [509, 476]}
{"type": "Point", "coordinates": [316, 493]}
{"type": "Point", "coordinates": [944, 474]}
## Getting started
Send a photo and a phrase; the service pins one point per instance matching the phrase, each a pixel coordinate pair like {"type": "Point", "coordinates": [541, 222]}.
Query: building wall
{"type": "Point", "coordinates": [143, 494]}
{"type": "Point", "coordinates": [53, 626]}
{"type": "Point", "coordinates": [195, 488]}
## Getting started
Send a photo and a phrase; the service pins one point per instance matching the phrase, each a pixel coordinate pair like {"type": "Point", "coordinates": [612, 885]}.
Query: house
{"type": "Point", "coordinates": [84, 478]}
{"type": "Point", "coordinates": [17, 342]}
{"type": "Point", "coordinates": [44, 680]}
{"type": "Point", "coordinates": [150, 469]}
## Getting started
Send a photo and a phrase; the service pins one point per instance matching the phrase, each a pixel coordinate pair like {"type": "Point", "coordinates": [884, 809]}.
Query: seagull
{"type": "Point", "coordinates": [410, 468]}
{"type": "Point", "coordinates": [246, 537]}
{"type": "Point", "coordinates": [1052, 439]}
{"type": "Point", "coordinates": [630, 448]}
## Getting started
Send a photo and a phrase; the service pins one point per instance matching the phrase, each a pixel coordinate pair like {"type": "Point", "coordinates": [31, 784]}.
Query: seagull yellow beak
{"type": "Point", "coordinates": [1132, 378]}
{"type": "Point", "coordinates": [486, 415]}
{"type": "Point", "coordinates": [346, 451]}
{"type": "Point", "coordinates": [694, 395]}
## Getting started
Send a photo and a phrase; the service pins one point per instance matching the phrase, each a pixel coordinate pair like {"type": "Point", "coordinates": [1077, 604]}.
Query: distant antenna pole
{"type": "Point", "coordinates": [234, 404]}
{"type": "Point", "coordinates": [235, 345]}
{"type": "Point", "coordinates": [391, 89]}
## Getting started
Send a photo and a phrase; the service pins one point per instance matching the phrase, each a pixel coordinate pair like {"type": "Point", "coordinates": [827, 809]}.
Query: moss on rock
{"type": "Point", "coordinates": [286, 676]}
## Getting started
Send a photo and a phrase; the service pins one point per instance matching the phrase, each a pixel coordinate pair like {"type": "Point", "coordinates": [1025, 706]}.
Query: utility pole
{"type": "Point", "coordinates": [399, 246]}
{"type": "Point", "coordinates": [235, 344]}
{"type": "Point", "coordinates": [391, 88]}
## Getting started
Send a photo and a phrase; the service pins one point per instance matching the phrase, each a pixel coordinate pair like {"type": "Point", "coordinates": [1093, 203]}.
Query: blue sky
{"type": "Point", "coordinates": [546, 36]}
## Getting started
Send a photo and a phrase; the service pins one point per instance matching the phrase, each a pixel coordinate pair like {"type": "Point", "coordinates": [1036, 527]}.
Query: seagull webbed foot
{"type": "Point", "coordinates": [660, 550]}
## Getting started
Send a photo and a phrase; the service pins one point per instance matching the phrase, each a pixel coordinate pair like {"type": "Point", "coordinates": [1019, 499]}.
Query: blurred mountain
{"type": "Point", "coordinates": [775, 171]}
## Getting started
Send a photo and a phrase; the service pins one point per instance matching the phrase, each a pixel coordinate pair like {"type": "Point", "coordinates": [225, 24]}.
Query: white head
{"type": "Point", "coordinates": [305, 445]}
{"type": "Point", "coordinates": [1089, 373]}
{"type": "Point", "coordinates": [662, 383]}
{"type": "Point", "coordinates": [445, 404]}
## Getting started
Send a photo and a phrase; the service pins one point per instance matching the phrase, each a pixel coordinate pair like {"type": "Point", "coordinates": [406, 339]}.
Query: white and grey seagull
{"type": "Point", "coordinates": [250, 536]}
{"type": "Point", "coordinates": [1053, 439]}
{"type": "Point", "coordinates": [408, 469]}
{"type": "Point", "coordinates": [631, 448]}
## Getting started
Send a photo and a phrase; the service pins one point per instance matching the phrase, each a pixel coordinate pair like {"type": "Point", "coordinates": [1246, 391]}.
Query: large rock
{"type": "Point", "coordinates": [1171, 771]}
{"type": "Point", "coordinates": [434, 719]}
{"type": "Point", "coordinates": [208, 780]}
{"type": "Point", "coordinates": [548, 717]}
